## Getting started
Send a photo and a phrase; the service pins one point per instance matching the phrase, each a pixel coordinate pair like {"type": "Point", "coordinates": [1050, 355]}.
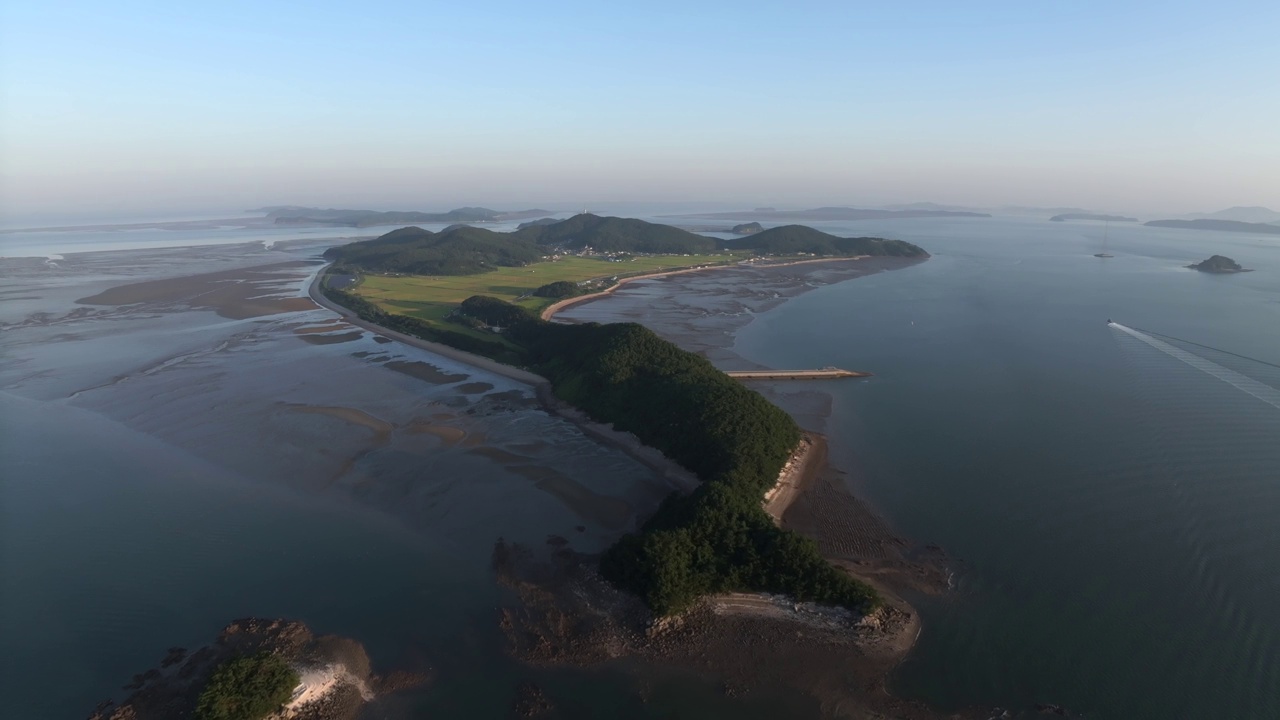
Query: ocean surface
{"type": "Point", "coordinates": [1109, 505]}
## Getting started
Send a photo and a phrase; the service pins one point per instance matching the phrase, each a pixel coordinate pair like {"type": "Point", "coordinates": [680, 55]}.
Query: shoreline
{"type": "Point", "coordinates": [550, 311]}
{"type": "Point", "coordinates": [799, 473]}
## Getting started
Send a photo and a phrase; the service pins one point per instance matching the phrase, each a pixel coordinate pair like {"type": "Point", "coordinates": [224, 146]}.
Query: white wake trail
{"type": "Point", "coordinates": [1262, 391]}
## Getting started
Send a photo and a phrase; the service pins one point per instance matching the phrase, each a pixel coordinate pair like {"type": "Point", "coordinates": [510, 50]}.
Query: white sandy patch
{"type": "Point", "coordinates": [317, 682]}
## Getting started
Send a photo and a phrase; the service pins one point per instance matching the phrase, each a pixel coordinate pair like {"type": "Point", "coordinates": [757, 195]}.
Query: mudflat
{"type": "Point", "coordinates": [235, 294]}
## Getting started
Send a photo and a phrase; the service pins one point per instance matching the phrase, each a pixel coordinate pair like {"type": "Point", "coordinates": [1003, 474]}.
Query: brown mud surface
{"type": "Point", "coordinates": [564, 614]}
{"type": "Point", "coordinates": [330, 338]}
{"type": "Point", "coordinates": [424, 371]}
{"type": "Point", "coordinates": [236, 294]}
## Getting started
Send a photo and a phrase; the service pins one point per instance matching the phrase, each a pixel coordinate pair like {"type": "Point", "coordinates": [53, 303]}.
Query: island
{"type": "Point", "coordinates": [1218, 225]}
{"type": "Point", "coordinates": [746, 228]}
{"type": "Point", "coordinates": [1251, 214]}
{"type": "Point", "coordinates": [833, 213]}
{"type": "Point", "coordinates": [716, 559]}
{"type": "Point", "coordinates": [258, 668]}
{"type": "Point", "coordinates": [715, 538]}
{"type": "Point", "coordinates": [1218, 264]}
{"type": "Point", "coordinates": [1091, 216]}
{"type": "Point", "coordinates": [296, 215]}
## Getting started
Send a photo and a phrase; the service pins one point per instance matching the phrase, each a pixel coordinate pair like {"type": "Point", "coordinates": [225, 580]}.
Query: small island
{"type": "Point", "coordinates": [258, 668]}
{"type": "Point", "coordinates": [1218, 264]}
{"type": "Point", "coordinates": [1091, 216]}
{"type": "Point", "coordinates": [747, 228]}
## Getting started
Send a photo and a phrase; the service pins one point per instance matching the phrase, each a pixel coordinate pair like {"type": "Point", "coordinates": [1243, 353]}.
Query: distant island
{"type": "Point", "coordinates": [833, 213]}
{"type": "Point", "coordinates": [747, 228]}
{"type": "Point", "coordinates": [1250, 214]}
{"type": "Point", "coordinates": [539, 221]}
{"type": "Point", "coordinates": [296, 215]}
{"type": "Point", "coordinates": [1091, 216]}
{"type": "Point", "coordinates": [1218, 225]}
{"type": "Point", "coordinates": [1218, 264]}
{"type": "Point", "coordinates": [258, 668]}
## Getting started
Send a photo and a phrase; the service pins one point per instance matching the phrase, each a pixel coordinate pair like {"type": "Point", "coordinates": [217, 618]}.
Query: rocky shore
{"type": "Point", "coordinates": [335, 676]}
{"type": "Point", "coordinates": [563, 614]}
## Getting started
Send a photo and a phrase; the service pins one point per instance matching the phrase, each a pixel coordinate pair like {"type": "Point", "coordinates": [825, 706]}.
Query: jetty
{"type": "Point", "coordinates": [823, 374]}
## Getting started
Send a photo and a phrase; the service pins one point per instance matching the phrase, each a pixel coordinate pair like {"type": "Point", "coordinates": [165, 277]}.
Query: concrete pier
{"type": "Point", "coordinates": [823, 374]}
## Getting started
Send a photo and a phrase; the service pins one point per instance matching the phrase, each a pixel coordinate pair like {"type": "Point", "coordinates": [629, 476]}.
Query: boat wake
{"type": "Point", "coordinates": [1244, 383]}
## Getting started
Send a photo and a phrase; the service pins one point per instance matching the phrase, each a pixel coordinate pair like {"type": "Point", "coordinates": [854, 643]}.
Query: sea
{"type": "Point", "coordinates": [1094, 443]}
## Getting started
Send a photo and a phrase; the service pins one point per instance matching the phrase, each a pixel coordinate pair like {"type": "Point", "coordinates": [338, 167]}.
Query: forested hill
{"type": "Point", "coordinates": [797, 239]}
{"type": "Point", "coordinates": [613, 234]}
{"type": "Point", "coordinates": [460, 251]}
{"type": "Point", "coordinates": [466, 250]}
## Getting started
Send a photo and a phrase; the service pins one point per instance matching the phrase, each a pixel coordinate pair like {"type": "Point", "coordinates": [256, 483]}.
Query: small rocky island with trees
{"type": "Point", "coordinates": [258, 668]}
{"type": "Point", "coordinates": [1218, 264]}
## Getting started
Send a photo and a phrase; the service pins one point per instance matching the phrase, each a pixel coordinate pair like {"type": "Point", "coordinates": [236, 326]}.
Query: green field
{"type": "Point", "coordinates": [434, 297]}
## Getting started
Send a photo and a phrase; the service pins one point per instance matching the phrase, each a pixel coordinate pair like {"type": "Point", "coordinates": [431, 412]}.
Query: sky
{"type": "Point", "coordinates": [145, 107]}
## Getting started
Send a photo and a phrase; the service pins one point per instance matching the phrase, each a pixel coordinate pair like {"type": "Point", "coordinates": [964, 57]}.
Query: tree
{"type": "Point", "coordinates": [247, 688]}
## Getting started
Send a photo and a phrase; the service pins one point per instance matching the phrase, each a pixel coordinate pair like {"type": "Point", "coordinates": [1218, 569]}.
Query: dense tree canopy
{"type": "Point", "coordinates": [612, 234]}
{"type": "Point", "coordinates": [796, 239]}
{"type": "Point", "coordinates": [718, 538]}
{"type": "Point", "coordinates": [558, 289]}
{"type": "Point", "coordinates": [247, 688]}
{"type": "Point", "coordinates": [462, 250]}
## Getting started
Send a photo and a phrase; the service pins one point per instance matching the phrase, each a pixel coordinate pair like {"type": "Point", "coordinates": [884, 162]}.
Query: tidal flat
{"type": "Point", "coordinates": [226, 449]}
{"type": "Point", "coordinates": [350, 482]}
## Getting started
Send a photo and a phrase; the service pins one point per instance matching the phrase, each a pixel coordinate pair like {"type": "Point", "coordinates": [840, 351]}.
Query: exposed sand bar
{"type": "Point", "coordinates": [236, 294]}
{"type": "Point", "coordinates": [554, 308]}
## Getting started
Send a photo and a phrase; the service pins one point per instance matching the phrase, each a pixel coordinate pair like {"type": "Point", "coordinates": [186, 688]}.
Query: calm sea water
{"type": "Point", "coordinates": [1113, 510]}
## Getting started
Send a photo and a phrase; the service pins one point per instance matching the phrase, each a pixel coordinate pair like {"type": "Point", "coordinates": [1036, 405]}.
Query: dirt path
{"type": "Point", "coordinates": [551, 310]}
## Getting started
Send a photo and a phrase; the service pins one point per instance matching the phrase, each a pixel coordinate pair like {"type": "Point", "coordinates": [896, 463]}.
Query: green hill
{"type": "Point", "coordinates": [798, 239]}
{"type": "Point", "coordinates": [466, 250]}
{"type": "Point", "coordinates": [461, 251]}
{"type": "Point", "coordinates": [612, 234]}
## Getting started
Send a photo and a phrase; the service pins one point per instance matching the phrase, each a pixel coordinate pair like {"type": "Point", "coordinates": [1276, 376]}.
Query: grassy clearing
{"type": "Point", "coordinates": [434, 297]}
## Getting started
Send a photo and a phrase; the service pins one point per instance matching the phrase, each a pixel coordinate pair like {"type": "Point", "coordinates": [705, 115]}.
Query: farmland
{"type": "Point", "coordinates": [432, 298]}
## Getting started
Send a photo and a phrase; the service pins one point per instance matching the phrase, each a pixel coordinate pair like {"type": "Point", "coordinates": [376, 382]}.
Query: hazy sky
{"type": "Point", "coordinates": [133, 107]}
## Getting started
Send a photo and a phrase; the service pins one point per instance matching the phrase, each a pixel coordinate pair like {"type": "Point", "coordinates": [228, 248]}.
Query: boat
{"type": "Point", "coordinates": [1105, 232]}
